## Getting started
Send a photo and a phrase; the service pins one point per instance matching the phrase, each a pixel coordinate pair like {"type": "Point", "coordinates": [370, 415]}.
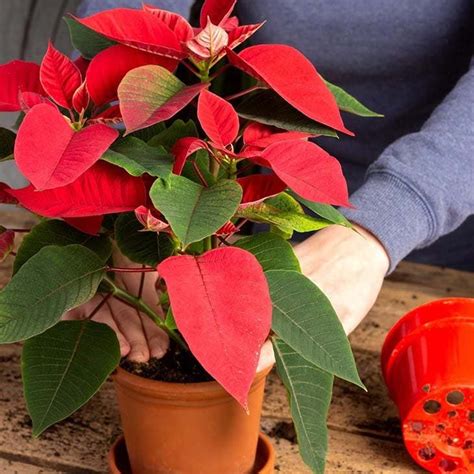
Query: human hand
{"type": "Point", "coordinates": [139, 337]}
{"type": "Point", "coordinates": [348, 267]}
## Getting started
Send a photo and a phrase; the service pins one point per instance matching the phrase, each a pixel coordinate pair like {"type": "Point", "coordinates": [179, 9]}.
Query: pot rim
{"type": "Point", "coordinates": [264, 444]}
{"type": "Point", "coordinates": [394, 340]}
{"type": "Point", "coordinates": [179, 391]}
{"type": "Point", "coordinates": [423, 330]}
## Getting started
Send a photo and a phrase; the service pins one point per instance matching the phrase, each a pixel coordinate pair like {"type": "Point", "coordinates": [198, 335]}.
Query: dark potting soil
{"type": "Point", "coordinates": [177, 365]}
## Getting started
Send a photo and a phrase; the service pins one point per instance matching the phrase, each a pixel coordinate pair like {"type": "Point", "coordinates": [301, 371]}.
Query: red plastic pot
{"type": "Point", "coordinates": [428, 366]}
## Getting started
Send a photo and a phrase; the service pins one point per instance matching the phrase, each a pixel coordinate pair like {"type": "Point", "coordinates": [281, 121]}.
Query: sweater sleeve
{"type": "Point", "coordinates": [89, 7]}
{"type": "Point", "coordinates": [422, 186]}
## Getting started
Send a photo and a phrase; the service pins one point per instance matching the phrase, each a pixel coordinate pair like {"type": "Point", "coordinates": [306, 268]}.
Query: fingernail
{"type": "Point", "coordinates": [158, 353]}
{"type": "Point", "coordinates": [124, 349]}
{"type": "Point", "coordinates": [138, 356]}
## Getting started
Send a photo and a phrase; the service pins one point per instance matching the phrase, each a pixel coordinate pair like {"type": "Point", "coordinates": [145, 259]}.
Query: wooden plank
{"type": "Point", "coordinates": [12, 466]}
{"type": "Point", "coordinates": [347, 453]}
{"type": "Point", "coordinates": [80, 443]}
{"type": "Point", "coordinates": [399, 297]}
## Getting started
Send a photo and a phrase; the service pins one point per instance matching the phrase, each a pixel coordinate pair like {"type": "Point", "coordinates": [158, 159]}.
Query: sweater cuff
{"type": "Point", "coordinates": [395, 212]}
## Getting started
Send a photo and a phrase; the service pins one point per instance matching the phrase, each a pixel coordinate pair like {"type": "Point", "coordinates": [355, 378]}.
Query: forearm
{"type": "Point", "coordinates": [422, 185]}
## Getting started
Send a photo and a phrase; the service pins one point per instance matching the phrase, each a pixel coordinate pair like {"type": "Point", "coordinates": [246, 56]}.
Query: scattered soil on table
{"type": "Point", "coordinates": [177, 366]}
{"type": "Point", "coordinates": [285, 430]}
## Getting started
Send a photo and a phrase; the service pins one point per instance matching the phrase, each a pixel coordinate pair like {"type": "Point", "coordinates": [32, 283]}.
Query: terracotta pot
{"type": "Point", "coordinates": [264, 462]}
{"type": "Point", "coordinates": [189, 428]}
{"type": "Point", "coordinates": [428, 366]}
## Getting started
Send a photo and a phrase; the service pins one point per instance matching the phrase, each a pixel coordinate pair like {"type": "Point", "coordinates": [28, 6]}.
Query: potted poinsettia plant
{"type": "Point", "coordinates": [132, 150]}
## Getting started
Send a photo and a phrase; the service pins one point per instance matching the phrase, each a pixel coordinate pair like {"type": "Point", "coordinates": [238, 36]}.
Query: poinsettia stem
{"type": "Point", "coordinates": [20, 230]}
{"type": "Point", "coordinates": [241, 93]}
{"type": "Point", "coordinates": [97, 308]}
{"type": "Point", "coordinates": [200, 175]}
{"type": "Point", "coordinates": [220, 71]}
{"type": "Point", "coordinates": [190, 68]}
{"type": "Point", "coordinates": [131, 269]}
{"type": "Point", "coordinates": [139, 304]}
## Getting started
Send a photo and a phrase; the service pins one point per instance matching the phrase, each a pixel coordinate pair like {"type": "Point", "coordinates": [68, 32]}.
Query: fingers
{"type": "Point", "coordinates": [267, 356]}
{"type": "Point", "coordinates": [104, 316]}
{"type": "Point", "coordinates": [158, 340]}
{"type": "Point", "coordinates": [130, 324]}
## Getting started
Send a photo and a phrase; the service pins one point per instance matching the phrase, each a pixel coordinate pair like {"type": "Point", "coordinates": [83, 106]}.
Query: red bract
{"type": "Point", "coordinates": [224, 329]}
{"type": "Point", "coordinates": [151, 94]}
{"type": "Point", "coordinates": [17, 77]}
{"type": "Point", "coordinates": [81, 98]}
{"type": "Point", "coordinates": [239, 34]}
{"type": "Point", "coordinates": [136, 28]}
{"type": "Point", "coordinates": [59, 77]}
{"type": "Point", "coordinates": [151, 219]}
{"type": "Point", "coordinates": [28, 100]}
{"type": "Point", "coordinates": [309, 171]}
{"type": "Point", "coordinates": [258, 187]}
{"type": "Point", "coordinates": [88, 225]}
{"type": "Point", "coordinates": [209, 42]}
{"type": "Point", "coordinates": [109, 67]}
{"type": "Point", "coordinates": [51, 154]}
{"type": "Point", "coordinates": [304, 90]}
{"type": "Point", "coordinates": [82, 64]}
{"type": "Point", "coordinates": [103, 189]}
{"type": "Point", "coordinates": [218, 11]}
{"type": "Point", "coordinates": [110, 116]}
{"type": "Point", "coordinates": [184, 148]}
{"type": "Point", "coordinates": [181, 28]}
{"type": "Point", "coordinates": [218, 118]}
{"type": "Point", "coordinates": [261, 136]}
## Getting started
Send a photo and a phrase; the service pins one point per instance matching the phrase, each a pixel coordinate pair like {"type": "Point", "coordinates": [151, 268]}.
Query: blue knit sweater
{"type": "Point", "coordinates": [411, 174]}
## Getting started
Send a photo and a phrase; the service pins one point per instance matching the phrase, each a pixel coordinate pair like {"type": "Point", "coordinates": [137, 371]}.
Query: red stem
{"type": "Point", "coordinates": [20, 230]}
{"type": "Point", "coordinates": [241, 93]}
{"type": "Point", "coordinates": [200, 175]}
{"type": "Point", "coordinates": [188, 66]}
{"type": "Point", "coordinates": [97, 308]}
{"type": "Point", "coordinates": [131, 270]}
{"type": "Point", "coordinates": [219, 72]}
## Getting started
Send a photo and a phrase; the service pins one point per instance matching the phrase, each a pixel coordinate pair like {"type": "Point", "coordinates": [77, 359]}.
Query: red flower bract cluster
{"type": "Point", "coordinates": [71, 112]}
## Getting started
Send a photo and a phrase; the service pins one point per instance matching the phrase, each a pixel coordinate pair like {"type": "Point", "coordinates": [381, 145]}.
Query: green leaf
{"type": "Point", "coordinates": [7, 144]}
{"type": "Point", "coordinates": [55, 232]}
{"type": "Point", "coordinates": [283, 212]}
{"type": "Point", "coordinates": [50, 283]}
{"type": "Point", "coordinates": [146, 134]}
{"type": "Point", "coordinates": [148, 248]}
{"type": "Point", "coordinates": [138, 158]}
{"type": "Point", "coordinates": [324, 210]}
{"type": "Point", "coordinates": [201, 158]}
{"type": "Point", "coordinates": [350, 104]}
{"type": "Point", "coordinates": [86, 41]}
{"type": "Point", "coordinates": [194, 211]}
{"type": "Point", "coordinates": [64, 367]}
{"type": "Point", "coordinates": [309, 391]}
{"type": "Point", "coordinates": [304, 318]}
{"type": "Point", "coordinates": [272, 251]}
{"type": "Point", "coordinates": [178, 129]}
{"type": "Point", "coordinates": [268, 108]}
{"type": "Point", "coordinates": [170, 321]}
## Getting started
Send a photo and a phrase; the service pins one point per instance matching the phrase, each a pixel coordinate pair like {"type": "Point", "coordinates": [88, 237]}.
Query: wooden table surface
{"type": "Point", "coordinates": [364, 429]}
